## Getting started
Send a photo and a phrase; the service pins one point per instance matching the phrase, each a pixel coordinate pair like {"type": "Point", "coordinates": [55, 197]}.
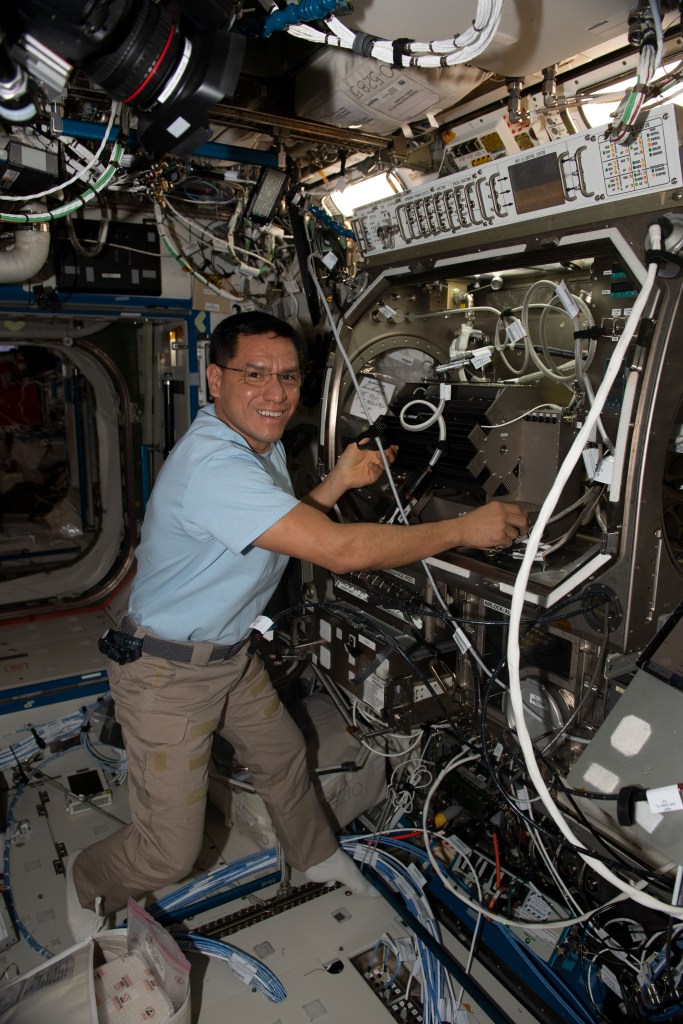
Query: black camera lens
{"type": "Point", "coordinates": [151, 53]}
{"type": "Point", "coordinates": [139, 54]}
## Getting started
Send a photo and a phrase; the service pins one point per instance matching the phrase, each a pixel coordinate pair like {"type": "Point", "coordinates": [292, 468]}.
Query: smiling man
{"type": "Point", "coordinates": [220, 526]}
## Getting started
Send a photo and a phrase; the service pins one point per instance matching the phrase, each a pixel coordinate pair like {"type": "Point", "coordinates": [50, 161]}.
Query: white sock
{"type": "Point", "coordinates": [81, 922]}
{"type": "Point", "coordinates": [340, 868]}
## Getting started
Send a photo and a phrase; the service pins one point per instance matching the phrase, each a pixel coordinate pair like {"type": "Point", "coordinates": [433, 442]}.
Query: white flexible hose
{"type": "Point", "coordinates": [460, 48]}
{"type": "Point", "coordinates": [29, 252]}
{"type": "Point", "coordinates": [436, 415]}
{"type": "Point", "coordinates": [554, 373]}
{"type": "Point", "coordinates": [623, 432]}
{"type": "Point", "coordinates": [517, 602]}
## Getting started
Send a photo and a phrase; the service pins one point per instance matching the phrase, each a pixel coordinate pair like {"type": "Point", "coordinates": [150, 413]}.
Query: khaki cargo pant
{"type": "Point", "coordinates": [168, 713]}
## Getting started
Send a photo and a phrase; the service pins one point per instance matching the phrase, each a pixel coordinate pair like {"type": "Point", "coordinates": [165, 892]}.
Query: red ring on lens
{"type": "Point", "coordinates": [155, 68]}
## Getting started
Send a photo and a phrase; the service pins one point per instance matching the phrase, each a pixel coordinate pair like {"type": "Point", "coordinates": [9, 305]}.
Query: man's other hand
{"type": "Point", "coordinates": [497, 525]}
{"type": "Point", "coordinates": [360, 466]}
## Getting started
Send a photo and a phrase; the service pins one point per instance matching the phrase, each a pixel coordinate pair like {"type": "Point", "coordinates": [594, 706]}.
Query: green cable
{"type": "Point", "coordinates": [74, 204]}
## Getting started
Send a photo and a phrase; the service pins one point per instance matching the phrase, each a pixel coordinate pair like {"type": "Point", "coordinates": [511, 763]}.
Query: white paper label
{"type": "Point", "coordinates": [365, 855]}
{"type": "Point", "coordinates": [459, 846]}
{"type": "Point", "coordinates": [567, 299]}
{"type": "Point", "coordinates": [665, 799]}
{"type": "Point", "coordinates": [406, 950]}
{"type": "Point", "coordinates": [373, 692]}
{"type": "Point", "coordinates": [244, 970]}
{"type": "Point", "coordinates": [610, 979]}
{"type": "Point", "coordinates": [546, 936]}
{"type": "Point", "coordinates": [263, 625]}
{"type": "Point", "coordinates": [376, 397]}
{"type": "Point", "coordinates": [536, 908]}
{"type": "Point", "coordinates": [480, 357]}
{"type": "Point", "coordinates": [523, 798]}
{"type": "Point", "coordinates": [417, 876]}
{"type": "Point", "coordinates": [406, 891]}
{"type": "Point", "coordinates": [514, 331]}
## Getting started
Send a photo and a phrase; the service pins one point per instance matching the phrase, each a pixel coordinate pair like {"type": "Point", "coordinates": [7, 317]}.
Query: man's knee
{"type": "Point", "coordinates": [170, 862]}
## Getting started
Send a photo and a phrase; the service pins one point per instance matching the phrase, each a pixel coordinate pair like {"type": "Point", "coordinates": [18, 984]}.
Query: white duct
{"type": "Point", "coordinates": [29, 253]}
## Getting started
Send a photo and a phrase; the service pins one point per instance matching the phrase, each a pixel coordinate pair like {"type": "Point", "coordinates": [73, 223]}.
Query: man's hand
{"type": "Point", "coordinates": [361, 466]}
{"type": "Point", "coordinates": [496, 525]}
{"type": "Point", "coordinates": [356, 467]}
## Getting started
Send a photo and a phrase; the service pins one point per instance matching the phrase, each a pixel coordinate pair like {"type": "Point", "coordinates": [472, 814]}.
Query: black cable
{"type": "Point", "coordinates": [390, 601]}
{"type": "Point", "coordinates": [530, 822]}
{"type": "Point", "coordinates": [357, 616]}
{"type": "Point", "coordinates": [632, 996]}
{"type": "Point", "coordinates": [582, 964]}
{"type": "Point", "coordinates": [557, 837]}
{"type": "Point", "coordinates": [393, 643]}
{"type": "Point", "coordinates": [668, 952]}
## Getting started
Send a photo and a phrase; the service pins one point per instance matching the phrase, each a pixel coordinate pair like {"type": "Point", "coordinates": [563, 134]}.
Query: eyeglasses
{"type": "Point", "coordinates": [258, 378]}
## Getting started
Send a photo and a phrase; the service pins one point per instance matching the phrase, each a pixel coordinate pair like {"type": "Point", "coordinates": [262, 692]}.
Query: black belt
{"type": "Point", "coordinates": [173, 650]}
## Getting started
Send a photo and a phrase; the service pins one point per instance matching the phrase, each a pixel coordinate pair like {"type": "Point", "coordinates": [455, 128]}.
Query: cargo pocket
{"type": "Point", "coordinates": [167, 756]}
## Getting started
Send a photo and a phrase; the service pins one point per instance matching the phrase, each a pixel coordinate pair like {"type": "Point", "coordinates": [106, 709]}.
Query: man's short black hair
{"type": "Point", "coordinates": [225, 337]}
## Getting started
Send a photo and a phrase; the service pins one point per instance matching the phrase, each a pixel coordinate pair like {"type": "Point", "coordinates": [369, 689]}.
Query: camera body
{"type": "Point", "coordinates": [170, 72]}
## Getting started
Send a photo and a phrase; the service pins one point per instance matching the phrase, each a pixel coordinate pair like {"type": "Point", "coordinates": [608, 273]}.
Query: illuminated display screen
{"type": "Point", "coordinates": [537, 184]}
{"type": "Point", "coordinates": [266, 194]}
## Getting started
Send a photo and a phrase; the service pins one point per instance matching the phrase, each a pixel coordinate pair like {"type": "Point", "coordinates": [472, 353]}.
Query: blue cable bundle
{"type": "Point", "coordinates": [306, 10]}
{"type": "Point", "coordinates": [438, 997]}
{"type": "Point", "coordinates": [247, 968]}
{"type": "Point", "coordinates": [330, 222]}
{"type": "Point", "coordinates": [213, 881]}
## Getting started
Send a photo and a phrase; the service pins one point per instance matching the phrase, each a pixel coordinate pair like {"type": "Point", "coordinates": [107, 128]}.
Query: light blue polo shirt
{"type": "Point", "coordinates": [199, 578]}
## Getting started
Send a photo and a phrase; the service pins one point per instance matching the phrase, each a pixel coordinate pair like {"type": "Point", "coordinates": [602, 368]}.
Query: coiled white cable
{"type": "Point", "coordinates": [553, 372]}
{"type": "Point", "coordinates": [424, 424]}
{"type": "Point", "coordinates": [517, 603]}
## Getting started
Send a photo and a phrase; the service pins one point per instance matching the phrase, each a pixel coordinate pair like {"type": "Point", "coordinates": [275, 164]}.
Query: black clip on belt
{"type": "Point", "coordinates": [122, 646]}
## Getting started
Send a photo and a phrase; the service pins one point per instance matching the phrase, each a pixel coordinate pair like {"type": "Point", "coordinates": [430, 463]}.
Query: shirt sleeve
{"type": "Point", "coordinates": [233, 498]}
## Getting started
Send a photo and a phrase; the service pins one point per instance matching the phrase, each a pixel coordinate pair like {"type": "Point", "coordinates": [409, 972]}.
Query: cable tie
{"type": "Point", "coordinates": [400, 49]}
{"type": "Point", "coordinates": [40, 742]}
{"type": "Point", "coordinates": [646, 330]}
{"type": "Point", "coordinates": [589, 333]}
{"type": "Point", "coordinates": [363, 43]}
{"type": "Point", "coordinates": [626, 803]}
{"type": "Point", "coordinates": [661, 258]}
{"type": "Point", "coordinates": [371, 668]}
